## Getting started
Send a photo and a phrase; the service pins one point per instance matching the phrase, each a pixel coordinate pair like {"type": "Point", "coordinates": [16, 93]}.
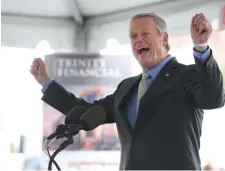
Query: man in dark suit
{"type": "Point", "coordinates": [158, 113]}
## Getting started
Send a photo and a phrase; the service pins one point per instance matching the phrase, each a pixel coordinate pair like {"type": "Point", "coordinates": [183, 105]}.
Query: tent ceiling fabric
{"type": "Point", "coordinates": [65, 8]}
{"type": "Point", "coordinates": [101, 7]}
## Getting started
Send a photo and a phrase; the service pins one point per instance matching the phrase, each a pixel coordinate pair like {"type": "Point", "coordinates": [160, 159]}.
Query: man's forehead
{"type": "Point", "coordinates": [143, 24]}
{"type": "Point", "coordinates": [146, 21]}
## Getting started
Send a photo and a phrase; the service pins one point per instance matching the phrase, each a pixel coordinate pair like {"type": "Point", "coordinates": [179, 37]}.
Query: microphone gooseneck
{"type": "Point", "coordinates": [77, 119]}
{"type": "Point", "coordinates": [77, 112]}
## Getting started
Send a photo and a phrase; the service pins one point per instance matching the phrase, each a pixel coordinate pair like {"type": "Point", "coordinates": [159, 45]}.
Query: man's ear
{"type": "Point", "coordinates": [165, 39]}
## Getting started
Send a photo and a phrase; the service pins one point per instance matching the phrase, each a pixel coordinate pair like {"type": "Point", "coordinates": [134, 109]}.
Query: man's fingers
{"type": "Point", "coordinates": [202, 26]}
{"type": "Point", "coordinates": [33, 72]}
{"type": "Point", "coordinates": [199, 21]}
{"type": "Point", "coordinates": [197, 18]}
{"type": "Point", "coordinates": [35, 66]}
{"type": "Point", "coordinates": [192, 21]}
{"type": "Point", "coordinates": [38, 63]}
{"type": "Point", "coordinates": [38, 59]}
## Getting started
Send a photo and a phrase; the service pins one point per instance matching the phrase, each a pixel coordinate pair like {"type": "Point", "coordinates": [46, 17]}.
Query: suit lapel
{"type": "Point", "coordinates": [125, 91]}
{"type": "Point", "coordinates": [162, 80]}
{"type": "Point", "coordinates": [162, 83]}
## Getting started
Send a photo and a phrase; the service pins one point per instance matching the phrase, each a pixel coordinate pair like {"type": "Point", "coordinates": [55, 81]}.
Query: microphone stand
{"type": "Point", "coordinates": [69, 133]}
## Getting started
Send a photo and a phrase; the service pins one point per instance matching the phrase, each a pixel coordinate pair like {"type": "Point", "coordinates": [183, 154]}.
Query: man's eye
{"type": "Point", "coordinates": [146, 33]}
{"type": "Point", "coordinates": [133, 36]}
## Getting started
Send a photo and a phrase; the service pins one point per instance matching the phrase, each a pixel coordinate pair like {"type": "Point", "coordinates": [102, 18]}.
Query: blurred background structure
{"type": "Point", "coordinates": [83, 28]}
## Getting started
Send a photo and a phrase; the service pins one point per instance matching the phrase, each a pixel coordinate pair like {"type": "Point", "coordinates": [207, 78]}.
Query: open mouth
{"type": "Point", "coordinates": [142, 50]}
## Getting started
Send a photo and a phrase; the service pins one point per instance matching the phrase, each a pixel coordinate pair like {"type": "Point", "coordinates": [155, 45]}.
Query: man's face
{"type": "Point", "coordinates": [147, 44]}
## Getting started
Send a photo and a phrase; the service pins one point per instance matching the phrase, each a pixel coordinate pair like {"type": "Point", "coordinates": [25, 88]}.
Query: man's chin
{"type": "Point", "coordinates": [146, 64]}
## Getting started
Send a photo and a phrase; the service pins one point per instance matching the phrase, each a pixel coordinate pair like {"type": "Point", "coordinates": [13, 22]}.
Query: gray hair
{"type": "Point", "coordinates": [160, 23]}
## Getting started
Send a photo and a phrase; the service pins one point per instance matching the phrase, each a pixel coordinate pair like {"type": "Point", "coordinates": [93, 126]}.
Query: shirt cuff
{"type": "Point", "coordinates": [45, 87]}
{"type": "Point", "coordinates": [202, 56]}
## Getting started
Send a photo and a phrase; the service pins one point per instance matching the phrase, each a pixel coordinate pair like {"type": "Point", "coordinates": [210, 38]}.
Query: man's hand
{"type": "Point", "coordinates": [201, 30]}
{"type": "Point", "coordinates": [39, 71]}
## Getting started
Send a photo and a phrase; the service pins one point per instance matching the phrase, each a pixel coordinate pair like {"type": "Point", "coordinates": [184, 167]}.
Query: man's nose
{"type": "Point", "coordinates": [139, 38]}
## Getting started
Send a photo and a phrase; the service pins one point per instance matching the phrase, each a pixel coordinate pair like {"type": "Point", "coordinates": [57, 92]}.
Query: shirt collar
{"type": "Point", "coordinates": [153, 72]}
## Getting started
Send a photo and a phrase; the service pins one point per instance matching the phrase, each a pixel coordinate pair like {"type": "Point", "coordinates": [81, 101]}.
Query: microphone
{"type": "Point", "coordinates": [77, 111]}
{"type": "Point", "coordinates": [94, 117]}
{"type": "Point", "coordinates": [88, 121]}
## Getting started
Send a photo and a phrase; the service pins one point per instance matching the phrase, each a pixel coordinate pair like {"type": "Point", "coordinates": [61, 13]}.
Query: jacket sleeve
{"type": "Point", "coordinates": [62, 100]}
{"type": "Point", "coordinates": [206, 89]}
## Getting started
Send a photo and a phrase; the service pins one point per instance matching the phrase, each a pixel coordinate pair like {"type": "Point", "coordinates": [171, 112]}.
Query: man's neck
{"type": "Point", "coordinates": [157, 68]}
{"type": "Point", "coordinates": [157, 63]}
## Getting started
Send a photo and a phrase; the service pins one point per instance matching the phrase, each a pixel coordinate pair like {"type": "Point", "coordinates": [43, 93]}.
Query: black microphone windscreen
{"type": "Point", "coordinates": [74, 115]}
{"type": "Point", "coordinates": [93, 118]}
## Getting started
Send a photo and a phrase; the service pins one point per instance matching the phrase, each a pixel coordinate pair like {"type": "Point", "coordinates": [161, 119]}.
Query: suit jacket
{"type": "Point", "coordinates": [168, 127]}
